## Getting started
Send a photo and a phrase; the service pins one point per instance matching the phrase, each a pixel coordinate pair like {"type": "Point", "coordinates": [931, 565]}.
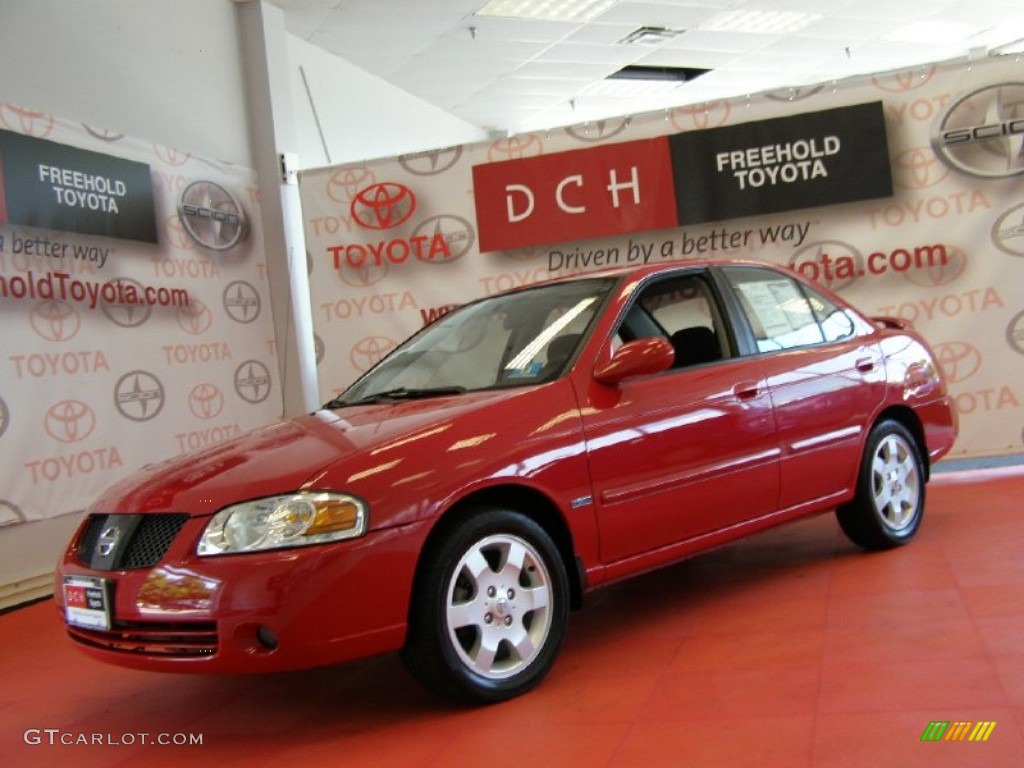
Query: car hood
{"type": "Point", "coordinates": [283, 457]}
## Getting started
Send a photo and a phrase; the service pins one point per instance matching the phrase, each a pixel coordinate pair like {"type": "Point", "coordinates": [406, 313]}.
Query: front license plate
{"type": "Point", "coordinates": [87, 602]}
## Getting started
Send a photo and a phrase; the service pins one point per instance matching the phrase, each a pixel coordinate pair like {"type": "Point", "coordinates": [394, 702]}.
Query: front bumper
{"type": "Point", "coordinates": [259, 612]}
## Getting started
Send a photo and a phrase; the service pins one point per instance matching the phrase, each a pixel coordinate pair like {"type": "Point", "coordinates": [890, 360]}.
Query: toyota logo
{"type": "Point", "coordinates": [908, 80]}
{"type": "Point", "coordinates": [982, 134]}
{"type": "Point", "coordinates": [431, 163]}
{"type": "Point", "coordinates": [367, 352]}
{"type": "Point", "coordinates": [711, 115]}
{"type": "Point", "coordinates": [139, 396]}
{"type": "Point", "coordinates": [599, 130]}
{"type": "Point", "coordinates": [69, 421]}
{"type": "Point", "coordinates": [457, 232]}
{"type": "Point", "coordinates": [19, 120]}
{"type": "Point", "coordinates": [212, 216]}
{"type": "Point", "coordinates": [55, 320]}
{"type": "Point", "coordinates": [515, 148]}
{"type": "Point", "coordinates": [170, 155]}
{"type": "Point", "coordinates": [918, 168]}
{"type": "Point", "coordinates": [1008, 231]}
{"type": "Point", "coordinates": [383, 206]}
{"type": "Point", "coordinates": [344, 184]}
{"type": "Point", "coordinates": [366, 274]}
{"type": "Point", "coordinates": [127, 315]}
{"type": "Point", "coordinates": [958, 359]}
{"type": "Point", "coordinates": [206, 401]}
{"type": "Point", "coordinates": [241, 302]}
{"type": "Point", "coordinates": [102, 134]}
{"type": "Point", "coordinates": [196, 318]}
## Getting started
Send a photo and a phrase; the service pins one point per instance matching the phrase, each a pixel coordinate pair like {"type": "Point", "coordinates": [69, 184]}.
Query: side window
{"type": "Point", "coordinates": [683, 311]}
{"type": "Point", "coordinates": [785, 314]}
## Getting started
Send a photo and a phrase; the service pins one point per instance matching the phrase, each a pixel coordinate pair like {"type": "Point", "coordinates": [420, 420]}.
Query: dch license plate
{"type": "Point", "coordinates": [87, 602]}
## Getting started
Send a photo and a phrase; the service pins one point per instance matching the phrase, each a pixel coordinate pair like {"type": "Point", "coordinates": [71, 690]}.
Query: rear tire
{"type": "Point", "coordinates": [489, 609]}
{"type": "Point", "coordinates": [889, 504]}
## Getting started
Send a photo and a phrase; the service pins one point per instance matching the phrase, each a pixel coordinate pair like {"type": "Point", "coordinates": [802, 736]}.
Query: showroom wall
{"type": "Point", "coordinates": [902, 191]}
{"type": "Point", "coordinates": [163, 84]}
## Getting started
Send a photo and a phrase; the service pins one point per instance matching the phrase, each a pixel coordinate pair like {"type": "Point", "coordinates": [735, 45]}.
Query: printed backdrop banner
{"type": "Point", "coordinates": [944, 250]}
{"type": "Point", "coordinates": [117, 353]}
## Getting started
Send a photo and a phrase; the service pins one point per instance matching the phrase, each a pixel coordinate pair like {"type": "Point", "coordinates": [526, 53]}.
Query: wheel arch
{"type": "Point", "coordinates": [527, 501]}
{"type": "Point", "coordinates": [906, 416]}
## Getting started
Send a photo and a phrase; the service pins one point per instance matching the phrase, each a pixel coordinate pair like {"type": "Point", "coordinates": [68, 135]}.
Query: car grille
{"type": "Point", "coordinates": [112, 542]}
{"type": "Point", "coordinates": [165, 639]}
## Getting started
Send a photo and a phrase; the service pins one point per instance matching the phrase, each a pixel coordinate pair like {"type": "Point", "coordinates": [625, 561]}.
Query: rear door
{"type": "Point", "coordinates": [825, 377]}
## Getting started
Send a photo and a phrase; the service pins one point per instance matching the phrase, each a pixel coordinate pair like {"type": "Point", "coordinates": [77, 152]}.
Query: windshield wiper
{"type": "Point", "coordinates": [401, 393]}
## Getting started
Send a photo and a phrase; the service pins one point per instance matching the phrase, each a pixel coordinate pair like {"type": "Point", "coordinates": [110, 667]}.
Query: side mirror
{"type": "Point", "coordinates": [643, 357]}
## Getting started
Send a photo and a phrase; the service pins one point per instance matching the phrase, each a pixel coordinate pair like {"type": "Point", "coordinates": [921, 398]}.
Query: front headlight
{"type": "Point", "coordinates": [277, 522]}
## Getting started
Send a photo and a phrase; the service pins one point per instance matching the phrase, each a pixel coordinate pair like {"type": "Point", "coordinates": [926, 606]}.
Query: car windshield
{"type": "Point", "coordinates": [526, 337]}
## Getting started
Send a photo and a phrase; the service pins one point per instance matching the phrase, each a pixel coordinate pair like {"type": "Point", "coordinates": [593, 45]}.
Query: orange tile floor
{"type": "Point", "coordinates": [790, 649]}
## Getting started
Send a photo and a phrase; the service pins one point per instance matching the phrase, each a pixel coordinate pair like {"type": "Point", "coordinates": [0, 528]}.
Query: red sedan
{"type": "Point", "coordinates": [462, 496]}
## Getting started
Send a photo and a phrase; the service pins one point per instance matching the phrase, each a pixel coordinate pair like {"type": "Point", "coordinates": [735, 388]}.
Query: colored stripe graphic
{"type": "Point", "coordinates": [961, 730]}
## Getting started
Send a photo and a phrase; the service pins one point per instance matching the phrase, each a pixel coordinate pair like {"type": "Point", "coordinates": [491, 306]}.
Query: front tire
{"type": "Point", "coordinates": [889, 504]}
{"type": "Point", "coordinates": [489, 610]}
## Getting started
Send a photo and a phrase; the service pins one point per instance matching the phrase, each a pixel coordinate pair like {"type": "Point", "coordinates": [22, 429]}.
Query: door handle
{"type": "Point", "coordinates": [746, 390]}
{"type": "Point", "coordinates": [865, 364]}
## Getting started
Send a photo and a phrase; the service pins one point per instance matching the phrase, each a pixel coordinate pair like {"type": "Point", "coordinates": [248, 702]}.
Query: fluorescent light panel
{"type": "Point", "coordinates": [763, 22]}
{"type": "Point", "coordinates": [547, 10]}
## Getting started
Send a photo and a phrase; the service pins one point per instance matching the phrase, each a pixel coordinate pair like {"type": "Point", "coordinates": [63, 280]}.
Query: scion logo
{"type": "Point", "coordinates": [364, 275]}
{"type": "Point", "coordinates": [515, 148]}
{"type": "Point", "coordinates": [10, 513]}
{"type": "Point", "coordinates": [55, 320]}
{"type": "Point", "coordinates": [107, 541]}
{"type": "Point", "coordinates": [599, 130]}
{"type": "Point", "coordinates": [383, 206]}
{"type": "Point", "coordinates": [918, 168]}
{"type": "Point", "coordinates": [196, 318]}
{"type": "Point", "coordinates": [103, 134]}
{"type": "Point", "coordinates": [38, 124]}
{"type": "Point", "coordinates": [212, 216]}
{"type": "Point", "coordinates": [139, 396]}
{"type": "Point", "coordinates": [69, 421]}
{"type": "Point", "coordinates": [713, 114]}
{"type": "Point", "coordinates": [252, 381]}
{"type": "Point", "coordinates": [458, 233]}
{"type": "Point", "coordinates": [1015, 333]}
{"type": "Point", "coordinates": [958, 359]}
{"type": "Point", "coordinates": [242, 302]}
{"type": "Point", "coordinates": [344, 184]}
{"type": "Point", "coordinates": [942, 272]}
{"type": "Point", "coordinates": [794, 94]}
{"type": "Point", "coordinates": [5, 417]}
{"type": "Point", "coordinates": [318, 346]}
{"type": "Point", "coordinates": [982, 134]}
{"type": "Point", "coordinates": [367, 352]}
{"type": "Point", "coordinates": [908, 80]}
{"type": "Point", "coordinates": [431, 163]}
{"type": "Point", "coordinates": [206, 401]}
{"type": "Point", "coordinates": [1008, 231]}
{"type": "Point", "coordinates": [127, 315]}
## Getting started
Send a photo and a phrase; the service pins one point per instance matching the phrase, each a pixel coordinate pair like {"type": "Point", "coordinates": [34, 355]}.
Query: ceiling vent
{"type": "Point", "coordinates": [650, 36]}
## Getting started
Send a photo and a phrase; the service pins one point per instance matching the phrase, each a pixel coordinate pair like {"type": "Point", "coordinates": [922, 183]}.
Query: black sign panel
{"type": "Point", "coordinates": [53, 186]}
{"type": "Point", "coordinates": [821, 158]}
